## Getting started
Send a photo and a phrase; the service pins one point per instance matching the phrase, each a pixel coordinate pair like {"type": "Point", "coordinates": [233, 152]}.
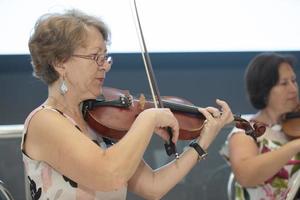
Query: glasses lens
{"type": "Point", "coordinates": [103, 58]}
{"type": "Point", "coordinates": [100, 59]}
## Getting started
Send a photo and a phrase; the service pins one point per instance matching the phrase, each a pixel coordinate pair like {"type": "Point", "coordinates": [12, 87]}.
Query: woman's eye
{"type": "Point", "coordinates": [283, 83]}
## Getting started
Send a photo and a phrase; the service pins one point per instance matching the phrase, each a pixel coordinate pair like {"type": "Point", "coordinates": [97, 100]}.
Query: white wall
{"type": "Point", "coordinates": [169, 25]}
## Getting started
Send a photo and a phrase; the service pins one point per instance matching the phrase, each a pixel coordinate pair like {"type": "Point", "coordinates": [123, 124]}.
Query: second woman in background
{"type": "Point", "coordinates": [263, 170]}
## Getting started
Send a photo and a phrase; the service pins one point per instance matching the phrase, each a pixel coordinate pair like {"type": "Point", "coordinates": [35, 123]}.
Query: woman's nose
{"type": "Point", "coordinates": [293, 86]}
{"type": "Point", "coordinates": [106, 66]}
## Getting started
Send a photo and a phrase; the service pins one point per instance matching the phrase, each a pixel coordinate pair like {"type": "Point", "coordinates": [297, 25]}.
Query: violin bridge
{"type": "Point", "coordinates": [142, 101]}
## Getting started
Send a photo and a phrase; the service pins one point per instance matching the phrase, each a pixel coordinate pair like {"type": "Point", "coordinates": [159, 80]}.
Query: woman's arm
{"type": "Point", "coordinates": [251, 168]}
{"type": "Point", "coordinates": [53, 139]}
{"type": "Point", "coordinates": [154, 184]}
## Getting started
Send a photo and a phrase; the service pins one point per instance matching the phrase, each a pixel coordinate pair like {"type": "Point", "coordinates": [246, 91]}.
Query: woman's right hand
{"type": "Point", "coordinates": [163, 118]}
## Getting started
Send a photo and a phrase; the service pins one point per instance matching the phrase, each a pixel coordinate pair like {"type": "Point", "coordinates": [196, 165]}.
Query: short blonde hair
{"type": "Point", "coordinates": [56, 37]}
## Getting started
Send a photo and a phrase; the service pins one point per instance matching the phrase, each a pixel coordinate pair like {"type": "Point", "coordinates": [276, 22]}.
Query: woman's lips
{"type": "Point", "coordinates": [101, 80]}
{"type": "Point", "coordinates": [293, 98]}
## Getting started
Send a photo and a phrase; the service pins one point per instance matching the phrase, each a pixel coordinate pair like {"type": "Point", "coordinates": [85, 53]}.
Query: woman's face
{"type": "Point", "coordinates": [84, 76]}
{"type": "Point", "coordinates": [283, 96]}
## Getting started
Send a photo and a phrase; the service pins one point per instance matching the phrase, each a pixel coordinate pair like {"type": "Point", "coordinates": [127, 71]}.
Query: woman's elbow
{"type": "Point", "coordinates": [110, 180]}
{"type": "Point", "coordinates": [111, 185]}
{"type": "Point", "coordinates": [153, 196]}
{"type": "Point", "coordinates": [246, 180]}
{"type": "Point", "coordinates": [152, 193]}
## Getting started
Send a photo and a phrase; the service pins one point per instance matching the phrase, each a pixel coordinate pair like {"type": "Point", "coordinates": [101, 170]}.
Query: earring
{"type": "Point", "coordinates": [63, 89]}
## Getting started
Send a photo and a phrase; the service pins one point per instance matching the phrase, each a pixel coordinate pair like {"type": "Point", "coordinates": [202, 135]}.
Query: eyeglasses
{"type": "Point", "coordinates": [100, 59]}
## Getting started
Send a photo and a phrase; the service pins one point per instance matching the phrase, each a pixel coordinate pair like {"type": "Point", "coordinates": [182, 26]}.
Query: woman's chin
{"type": "Point", "coordinates": [93, 94]}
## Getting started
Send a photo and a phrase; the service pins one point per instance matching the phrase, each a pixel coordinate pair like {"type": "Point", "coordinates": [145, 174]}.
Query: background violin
{"type": "Point", "coordinates": [113, 114]}
{"type": "Point", "coordinates": [291, 123]}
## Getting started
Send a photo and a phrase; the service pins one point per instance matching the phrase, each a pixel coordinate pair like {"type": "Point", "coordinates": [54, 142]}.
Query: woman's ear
{"type": "Point", "coordinates": [59, 68]}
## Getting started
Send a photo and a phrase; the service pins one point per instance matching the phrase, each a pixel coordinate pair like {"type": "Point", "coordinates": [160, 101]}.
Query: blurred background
{"type": "Point", "coordinates": [199, 51]}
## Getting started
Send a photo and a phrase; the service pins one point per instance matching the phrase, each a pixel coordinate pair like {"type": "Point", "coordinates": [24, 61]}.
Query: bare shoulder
{"type": "Point", "coordinates": [238, 135]}
{"type": "Point", "coordinates": [54, 139]}
{"type": "Point", "coordinates": [48, 130]}
{"type": "Point", "coordinates": [240, 140]}
{"type": "Point", "coordinates": [241, 146]}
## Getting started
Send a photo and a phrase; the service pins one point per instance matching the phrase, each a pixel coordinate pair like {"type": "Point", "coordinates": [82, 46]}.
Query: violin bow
{"type": "Point", "coordinates": [169, 146]}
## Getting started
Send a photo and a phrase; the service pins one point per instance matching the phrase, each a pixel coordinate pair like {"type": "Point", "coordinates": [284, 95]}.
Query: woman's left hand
{"type": "Point", "coordinates": [215, 120]}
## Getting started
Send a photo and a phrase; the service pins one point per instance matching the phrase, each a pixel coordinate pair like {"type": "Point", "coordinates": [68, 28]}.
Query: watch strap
{"type": "Point", "coordinates": [201, 152]}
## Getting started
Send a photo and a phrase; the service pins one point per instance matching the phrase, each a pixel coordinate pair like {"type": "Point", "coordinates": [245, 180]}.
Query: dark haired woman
{"type": "Point", "coordinates": [266, 169]}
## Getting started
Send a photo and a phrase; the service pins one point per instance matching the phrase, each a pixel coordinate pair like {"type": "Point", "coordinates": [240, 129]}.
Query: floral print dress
{"type": "Point", "coordinates": [281, 184]}
{"type": "Point", "coordinates": [47, 183]}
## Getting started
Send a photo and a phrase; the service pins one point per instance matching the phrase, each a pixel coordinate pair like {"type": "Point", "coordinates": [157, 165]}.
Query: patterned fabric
{"type": "Point", "coordinates": [278, 186]}
{"type": "Point", "coordinates": [47, 183]}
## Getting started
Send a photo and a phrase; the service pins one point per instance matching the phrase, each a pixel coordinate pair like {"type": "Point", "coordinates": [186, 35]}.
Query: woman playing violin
{"type": "Point", "coordinates": [63, 157]}
{"type": "Point", "coordinates": [263, 170]}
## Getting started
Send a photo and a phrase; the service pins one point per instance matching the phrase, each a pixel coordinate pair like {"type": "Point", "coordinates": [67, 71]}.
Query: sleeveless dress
{"type": "Point", "coordinates": [277, 187]}
{"type": "Point", "coordinates": [47, 183]}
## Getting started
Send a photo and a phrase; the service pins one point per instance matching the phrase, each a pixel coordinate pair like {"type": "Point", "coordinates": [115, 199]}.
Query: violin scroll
{"type": "Point", "coordinates": [255, 131]}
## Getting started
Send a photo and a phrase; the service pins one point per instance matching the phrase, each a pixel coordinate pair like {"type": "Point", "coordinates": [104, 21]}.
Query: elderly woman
{"type": "Point", "coordinates": [63, 157]}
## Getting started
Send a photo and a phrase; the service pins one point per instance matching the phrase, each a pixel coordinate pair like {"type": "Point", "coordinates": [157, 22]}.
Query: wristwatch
{"type": "Point", "coordinates": [201, 152]}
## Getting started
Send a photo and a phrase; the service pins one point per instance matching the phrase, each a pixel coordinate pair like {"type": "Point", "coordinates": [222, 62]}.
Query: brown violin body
{"type": "Point", "coordinates": [113, 114]}
{"type": "Point", "coordinates": [115, 120]}
{"type": "Point", "coordinates": [291, 123]}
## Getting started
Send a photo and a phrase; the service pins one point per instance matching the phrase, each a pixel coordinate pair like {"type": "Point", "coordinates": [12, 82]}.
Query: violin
{"type": "Point", "coordinates": [291, 123]}
{"type": "Point", "coordinates": [112, 115]}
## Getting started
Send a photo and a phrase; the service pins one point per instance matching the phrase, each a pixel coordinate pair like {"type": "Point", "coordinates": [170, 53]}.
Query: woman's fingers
{"type": "Point", "coordinates": [214, 111]}
{"type": "Point", "coordinates": [206, 113]}
{"type": "Point", "coordinates": [162, 132]}
{"type": "Point", "coordinates": [215, 121]}
{"type": "Point", "coordinates": [226, 111]}
{"type": "Point", "coordinates": [165, 120]}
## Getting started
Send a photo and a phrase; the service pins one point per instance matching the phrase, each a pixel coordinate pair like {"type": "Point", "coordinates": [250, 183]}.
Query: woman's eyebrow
{"type": "Point", "coordinates": [100, 50]}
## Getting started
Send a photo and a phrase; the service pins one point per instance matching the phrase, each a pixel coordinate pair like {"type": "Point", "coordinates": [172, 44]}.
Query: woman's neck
{"type": "Point", "coordinates": [268, 116]}
{"type": "Point", "coordinates": [68, 103]}
{"type": "Point", "coordinates": [65, 103]}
